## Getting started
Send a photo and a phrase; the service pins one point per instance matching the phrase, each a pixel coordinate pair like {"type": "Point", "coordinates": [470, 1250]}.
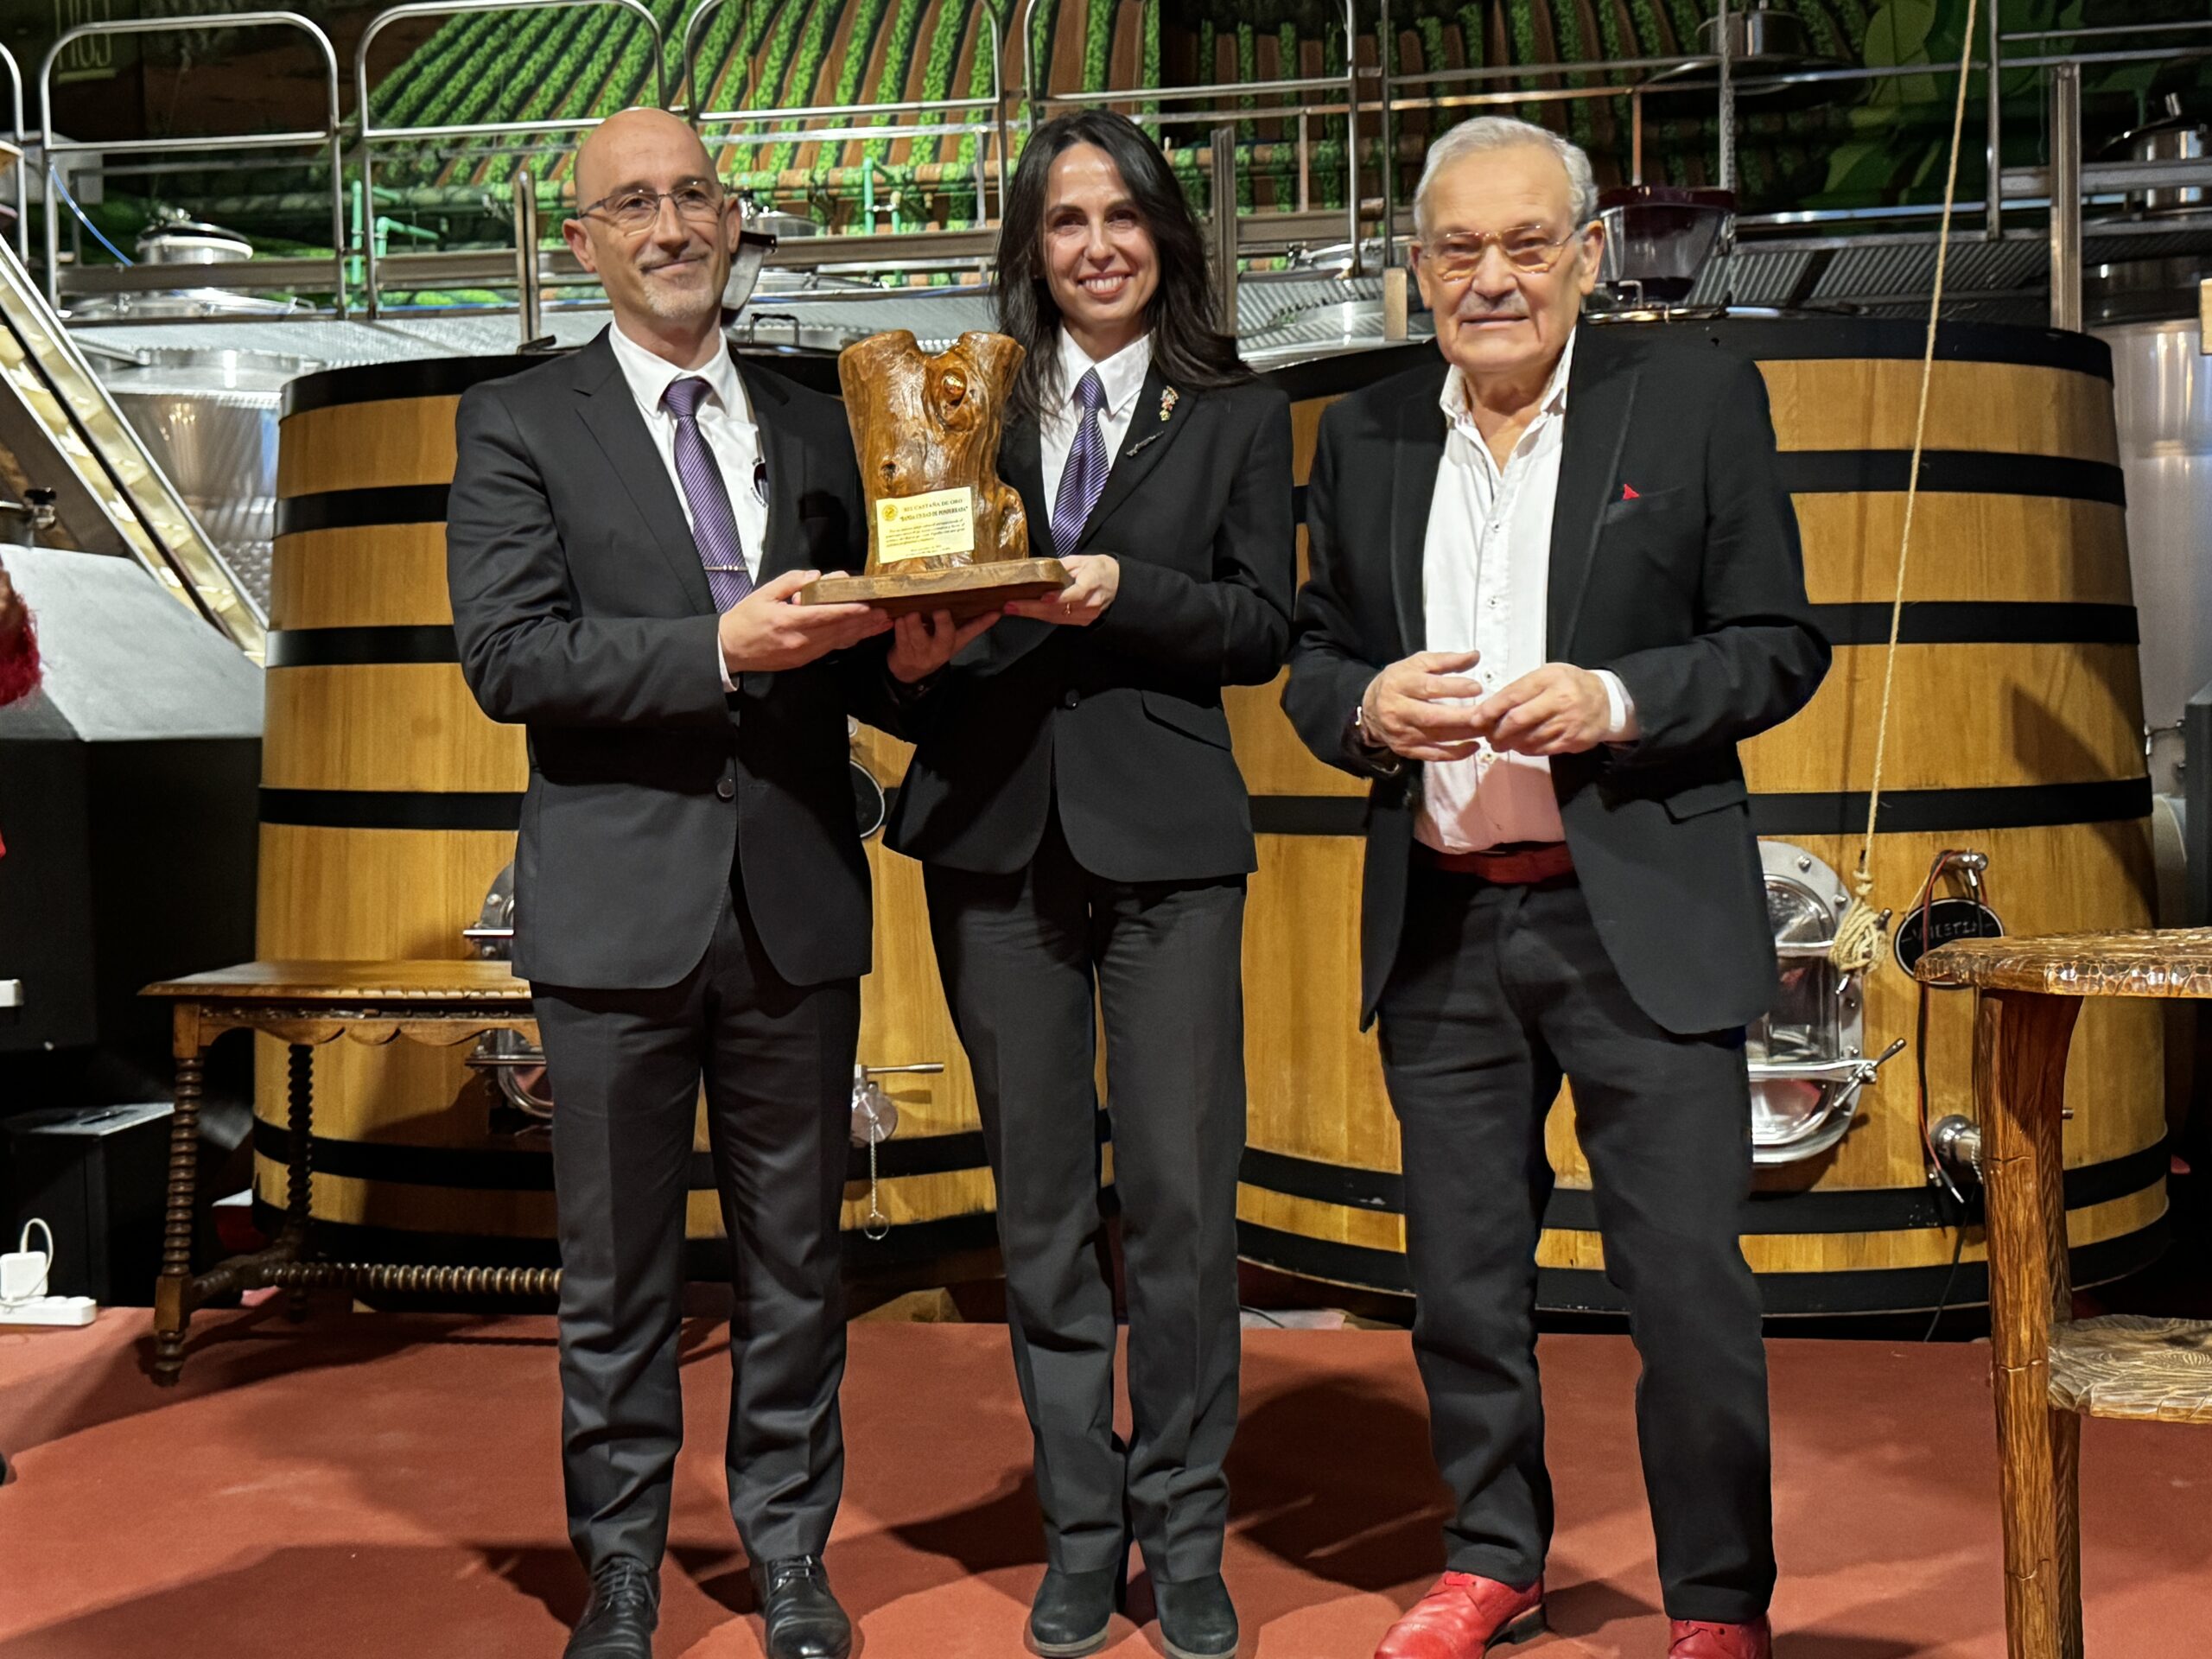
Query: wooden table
{"type": "Point", "coordinates": [2047, 1368]}
{"type": "Point", "coordinates": [309, 1003]}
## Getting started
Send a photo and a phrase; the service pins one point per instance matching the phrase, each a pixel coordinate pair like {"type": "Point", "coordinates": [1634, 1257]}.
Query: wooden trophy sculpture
{"type": "Point", "coordinates": [943, 532]}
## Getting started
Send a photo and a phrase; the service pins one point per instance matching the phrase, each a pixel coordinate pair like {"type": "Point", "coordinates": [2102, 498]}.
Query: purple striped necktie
{"type": "Point", "coordinates": [1084, 477]}
{"type": "Point", "coordinates": [713, 523]}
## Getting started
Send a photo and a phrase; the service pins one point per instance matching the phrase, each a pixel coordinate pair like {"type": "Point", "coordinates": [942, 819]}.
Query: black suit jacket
{"type": "Point", "coordinates": [1119, 724]}
{"type": "Point", "coordinates": [1693, 591]}
{"type": "Point", "coordinates": [583, 611]}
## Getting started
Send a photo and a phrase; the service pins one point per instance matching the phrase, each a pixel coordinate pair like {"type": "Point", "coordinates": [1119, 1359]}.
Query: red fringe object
{"type": "Point", "coordinates": [18, 662]}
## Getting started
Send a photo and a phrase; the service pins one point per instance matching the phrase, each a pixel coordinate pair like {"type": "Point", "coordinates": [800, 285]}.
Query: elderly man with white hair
{"type": "Point", "coordinates": [1555, 581]}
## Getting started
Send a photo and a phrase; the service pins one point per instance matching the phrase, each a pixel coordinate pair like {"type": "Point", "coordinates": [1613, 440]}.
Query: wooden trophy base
{"type": "Point", "coordinates": [966, 590]}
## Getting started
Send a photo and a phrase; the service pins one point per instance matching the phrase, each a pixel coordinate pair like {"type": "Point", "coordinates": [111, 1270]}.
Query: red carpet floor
{"type": "Point", "coordinates": [385, 1485]}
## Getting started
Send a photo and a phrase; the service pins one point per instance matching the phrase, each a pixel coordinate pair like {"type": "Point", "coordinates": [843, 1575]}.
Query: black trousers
{"type": "Point", "coordinates": [1497, 991]}
{"type": "Point", "coordinates": [626, 1066]}
{"type": "Point", "coordinates": [1021, 955]}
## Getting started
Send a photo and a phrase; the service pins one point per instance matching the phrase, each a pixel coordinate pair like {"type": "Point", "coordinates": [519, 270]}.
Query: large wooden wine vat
{"type": "Point", "coordinates": [2016, 731]}
{"type": "Point", "coordinates": [390, 804]}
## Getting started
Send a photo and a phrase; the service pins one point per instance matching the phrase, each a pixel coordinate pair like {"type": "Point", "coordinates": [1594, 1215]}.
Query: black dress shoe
{"type": "Point", "coordinates": [803, 1619]}
{"type": "Point", "coordinates": [619, 1619]}
{"type": "Point", "coordinates": [1197, 1618]}
{"type": "Point", "coordinates": [1072, 1611]}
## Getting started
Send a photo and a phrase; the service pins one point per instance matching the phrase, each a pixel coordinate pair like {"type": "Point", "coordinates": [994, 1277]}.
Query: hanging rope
{"type": "Point", "coordinates": [1859, 935]}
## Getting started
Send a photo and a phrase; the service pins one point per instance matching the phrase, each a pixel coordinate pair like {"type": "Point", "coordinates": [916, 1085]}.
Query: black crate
{"type": "Point", "coordinates": [98, 1176]}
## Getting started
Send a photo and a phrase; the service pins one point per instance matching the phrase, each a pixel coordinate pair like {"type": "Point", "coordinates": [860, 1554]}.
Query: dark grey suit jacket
{"type": "Point", "coordinates": [1692, 590]}
{"type": "Point", "coordinates": [583, 611]}
{"type": "Point", "coordinates": [1119, 726]}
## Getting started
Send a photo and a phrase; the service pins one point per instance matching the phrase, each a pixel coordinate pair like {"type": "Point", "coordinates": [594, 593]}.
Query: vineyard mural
{"type": "Point", "coordinates": [1855, 143]}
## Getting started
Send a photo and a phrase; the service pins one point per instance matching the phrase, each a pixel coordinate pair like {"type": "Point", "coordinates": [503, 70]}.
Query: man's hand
{"type": "Point", "coordinates": [765, 631]}
{"type": "Point", "coordinates": [1421, 708]}
{"type": "Point", "coordinates": [1556, 710]}
{"type": "Point", "coordinates": [923, 644]}
{"type": "Point", "coordinates": [1095, 578]}
{"type": "Point", "coordinates": [12, 612]}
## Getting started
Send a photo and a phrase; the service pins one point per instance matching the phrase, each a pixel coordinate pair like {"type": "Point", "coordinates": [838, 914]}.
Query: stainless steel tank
{"type": "Point", "coordinates": [208, 415]}
{"type": "Point", "coordinates": [2161, 395]}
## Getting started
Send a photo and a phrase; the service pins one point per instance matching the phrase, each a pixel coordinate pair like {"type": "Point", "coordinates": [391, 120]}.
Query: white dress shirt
{"type": "Point", "coordinates": [1122, 376]}
{"type": "Point", "coordinates": [725, 421]}
{"type": "Point", "coordinates": [1486, 580]}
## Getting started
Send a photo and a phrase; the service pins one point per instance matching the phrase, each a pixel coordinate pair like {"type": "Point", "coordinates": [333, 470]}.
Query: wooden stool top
{"type": "Point", "coordinates": [312, 982]}
{"type": "Point", "coordinates": [2171, 962]}
{"type": "Point", "coordinates": [2130, 1365]}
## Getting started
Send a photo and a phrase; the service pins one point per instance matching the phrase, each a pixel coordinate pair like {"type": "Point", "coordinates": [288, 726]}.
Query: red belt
{"type": "Point", "coordinates": [1504, 866]}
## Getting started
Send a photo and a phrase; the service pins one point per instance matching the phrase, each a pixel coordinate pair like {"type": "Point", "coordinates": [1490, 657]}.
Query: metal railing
{"type": "Point", "coordinates": [990, 132]}
{"type": "Point", "coordinates": [23, 142]}
{"type": "Point", "coordinates": [1138, 97]}
{"type": "Point", "coordinates": [1379, 94]}
{"type": "Point", "coordinates": [2023, 188]}
{"type": "Point", "coordinates": [371, 134]}
{"type": "Point", "coordinates": [2065, 206]}
{"type": "Point", "coordinates": [53, 149]}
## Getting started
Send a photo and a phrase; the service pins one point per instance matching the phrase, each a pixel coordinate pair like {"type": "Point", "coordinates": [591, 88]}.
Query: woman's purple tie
{"type": "Point", "coordinates": [1084, 477]}
{"type": "Point", "coordinates": [713, 524]}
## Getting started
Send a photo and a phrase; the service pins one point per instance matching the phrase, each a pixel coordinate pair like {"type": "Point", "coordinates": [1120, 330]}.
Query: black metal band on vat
{"type": "Point", "coordinates": [382, 506]}
{"type": "Point", "coordinates": [1838, 1209]}
{"type": "Point", "coordinates": [377, 382]}
{"type": "Point", "coordinates": [448, 377]}
{"type": "Point", "coordinates": [1904, 811]}
{"type": "Point", "coordinates": [361, 646]}
{"type": "Point", "coordinates": [1907, 811]}
{"type": "Point", "coordinates": [911, 1244]}
{"type": "Point", "coordinates": [530, 1169]}
{"type": "Point", "coordinates": [391, 808]}
{"type": "Point", "coordinates": [1782, 1295]}
{"type": "Point", "coordinates": [1886, 471]}
{"type": "Point", "coordinates": [1950, 472]}
{"type": "Point", "coordinates": [1980, 622]}
{"type": "Point", "coordinates": [1788, 340]}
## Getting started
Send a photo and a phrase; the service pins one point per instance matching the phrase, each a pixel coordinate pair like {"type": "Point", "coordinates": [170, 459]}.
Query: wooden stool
{"type": "Point", "coordinates": [2047, 1366]}
{"type": "Point", "coordinates": [308, 1003]}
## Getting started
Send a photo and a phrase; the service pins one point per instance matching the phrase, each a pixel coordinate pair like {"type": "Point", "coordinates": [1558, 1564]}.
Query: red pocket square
{"type": "Point", "coordinates": [1628, 493]}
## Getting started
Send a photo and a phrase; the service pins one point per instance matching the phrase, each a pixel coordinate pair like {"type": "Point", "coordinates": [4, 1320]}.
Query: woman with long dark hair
{"type": "Point", "coordinates": [1086, 836]}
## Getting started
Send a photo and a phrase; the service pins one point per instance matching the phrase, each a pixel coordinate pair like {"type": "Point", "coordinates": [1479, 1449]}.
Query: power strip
{"type": "Point", "coordinates": [23, 1300]}
{"type": "Point", "coordinates": [49, 1310]}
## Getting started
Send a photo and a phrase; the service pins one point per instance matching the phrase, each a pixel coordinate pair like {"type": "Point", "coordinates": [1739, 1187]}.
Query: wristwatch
{"type": "Point", "coordinates": [1379, 756]}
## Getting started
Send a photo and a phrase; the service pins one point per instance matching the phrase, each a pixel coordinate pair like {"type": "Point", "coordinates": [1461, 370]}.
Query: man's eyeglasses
{"type": "Point", "coordinates": [1455, 259]}
{"type": "Point", "coordinates": [632, 212]}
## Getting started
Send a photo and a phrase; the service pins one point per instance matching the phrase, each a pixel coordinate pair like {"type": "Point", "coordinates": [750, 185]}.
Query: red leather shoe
{"type": "Point", "coordinates": [1692, 1638]}
{"type": "Point", "coordinates": [1463, 1617]}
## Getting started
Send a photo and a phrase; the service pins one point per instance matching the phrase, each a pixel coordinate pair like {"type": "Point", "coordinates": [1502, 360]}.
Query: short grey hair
{"type": "Point", "coordinates": [1486, 132]}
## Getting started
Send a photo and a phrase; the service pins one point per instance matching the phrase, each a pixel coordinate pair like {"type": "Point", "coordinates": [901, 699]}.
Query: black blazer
{"type": "Point", "coordinates": [582, 610]}
{"type": "Point", "coordinates": [1119, 724]}
{"type": "Point", "coordinates": [1693, 591]}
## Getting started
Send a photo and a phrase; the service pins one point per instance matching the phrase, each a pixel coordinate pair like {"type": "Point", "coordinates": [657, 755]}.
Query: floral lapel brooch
{"type": "Point", "coordinates": [1166, 402]}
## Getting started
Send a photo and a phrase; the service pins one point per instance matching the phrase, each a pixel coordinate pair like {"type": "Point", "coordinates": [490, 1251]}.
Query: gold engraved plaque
{"type": "Point", "coordinates": [936, 525]}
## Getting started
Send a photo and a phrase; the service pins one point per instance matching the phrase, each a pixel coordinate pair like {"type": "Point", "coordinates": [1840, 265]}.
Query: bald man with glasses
{"type": "Point", "coordinates": [627, 527]}
{"type": "Point", "coordinates": [1556, 581]}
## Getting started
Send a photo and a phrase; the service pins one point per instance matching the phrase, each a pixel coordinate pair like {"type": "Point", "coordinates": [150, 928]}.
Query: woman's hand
{"type": "Point", "coordinates": [923, 643]}
{"type": "Point", "coordinates": [1094, 579]}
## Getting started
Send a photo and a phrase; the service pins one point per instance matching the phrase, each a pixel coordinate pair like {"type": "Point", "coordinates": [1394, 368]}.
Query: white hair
{"type": "Point", "coordinates": [1486, 132]}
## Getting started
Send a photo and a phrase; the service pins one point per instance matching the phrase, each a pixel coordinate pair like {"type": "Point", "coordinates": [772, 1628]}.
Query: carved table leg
{"type": "Point", "coordinates": [2020, 1046]}
{"type": "Point", "coordinates": [172, 1291]}
{"type": "Point", "coordinates": [299, 1174]}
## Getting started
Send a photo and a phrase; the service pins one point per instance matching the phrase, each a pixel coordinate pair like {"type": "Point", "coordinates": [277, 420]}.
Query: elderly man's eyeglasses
{"type": "Point", "coordinates": [1457, 257]}
{"type": "Point", "coordinates": [632, 212]}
